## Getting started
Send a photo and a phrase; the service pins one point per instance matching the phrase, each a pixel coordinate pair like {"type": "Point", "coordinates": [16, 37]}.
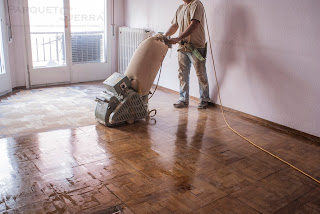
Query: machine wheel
{"type": "Point", "coordinates": [130, 121]}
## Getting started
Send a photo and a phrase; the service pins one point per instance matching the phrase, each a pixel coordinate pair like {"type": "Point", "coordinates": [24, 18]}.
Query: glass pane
{"type": "Point", "coordinates": [88, 30]}
{"type": "Point", "coordinates": [47, 33]}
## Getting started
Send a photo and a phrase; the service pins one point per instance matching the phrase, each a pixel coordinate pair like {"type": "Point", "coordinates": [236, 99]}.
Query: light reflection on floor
{"type": "Point", "coordinates": [58, 159]}
{"type": "Point", "coordinates": [6, 169]}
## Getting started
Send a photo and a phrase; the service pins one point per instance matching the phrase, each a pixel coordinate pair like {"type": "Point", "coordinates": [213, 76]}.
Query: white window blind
{"type": "Point", "coordinates": [88, 20]}
{"type": "Point", "coordinates": [87, 47]}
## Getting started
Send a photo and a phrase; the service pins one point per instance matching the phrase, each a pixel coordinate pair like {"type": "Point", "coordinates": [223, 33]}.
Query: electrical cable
{"type": "Point", "coordinates": [222, 111]}
{"type": "Point", "coordinates": [157, 83]}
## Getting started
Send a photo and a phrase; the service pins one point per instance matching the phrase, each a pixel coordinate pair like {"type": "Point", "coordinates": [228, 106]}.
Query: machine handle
{"type": "Point", "coordinates": [166, 41]}
{"type": "Point", "coordinates": [100, 99]}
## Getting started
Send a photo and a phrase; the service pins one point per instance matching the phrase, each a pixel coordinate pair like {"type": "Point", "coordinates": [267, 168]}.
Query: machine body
{"type": "Point", "coordinates": [126, 96]}
{"type": "Point", "coordinates": [119, 103]}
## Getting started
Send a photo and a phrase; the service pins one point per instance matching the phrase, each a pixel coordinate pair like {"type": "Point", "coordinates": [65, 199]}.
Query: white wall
{"type": "Point", "coordinates": [17, 46]}
{"type": "Point", "coordinates": [17, 53]}
{"type": "Point", "coordinates": [119, 20]}
{"type": "Point", "coordinates": [266, 52]}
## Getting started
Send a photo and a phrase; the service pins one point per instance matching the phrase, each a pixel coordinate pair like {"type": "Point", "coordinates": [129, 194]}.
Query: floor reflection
{"type": "Point", "coordinates": [55, 158]}
{"type": "Point", "coordinates": [187, 151]}
{"type": "Point", "coordinates": [186, 162]}
{"type": "Point", "coordinates": [6, 169]}
{"type": "Point", "coordinates": [23, 180]}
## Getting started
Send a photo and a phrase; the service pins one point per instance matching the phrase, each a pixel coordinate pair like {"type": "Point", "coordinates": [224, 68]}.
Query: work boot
{"type": "Point", "coordinates": [181, 104]}
{"type": "Point", "coordinates": [203, 105]}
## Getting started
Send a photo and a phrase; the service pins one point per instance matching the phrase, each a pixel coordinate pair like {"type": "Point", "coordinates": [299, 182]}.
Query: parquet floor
{"type": "Point", "coordinates": [55, 158]}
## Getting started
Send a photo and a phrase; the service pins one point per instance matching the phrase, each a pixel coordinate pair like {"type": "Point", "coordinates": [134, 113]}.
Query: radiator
{"type": "Point", "coordinates": [129, 39]}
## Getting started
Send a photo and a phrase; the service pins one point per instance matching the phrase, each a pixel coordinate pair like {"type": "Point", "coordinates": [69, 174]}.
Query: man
{"type": "Point", "coordinates": [189, 18]}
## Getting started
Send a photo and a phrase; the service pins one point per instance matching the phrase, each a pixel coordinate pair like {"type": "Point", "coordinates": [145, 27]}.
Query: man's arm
{"type": "Point", "coordinates": [172, 30]}
{"type": "Point", "coordinates": [194, 24]}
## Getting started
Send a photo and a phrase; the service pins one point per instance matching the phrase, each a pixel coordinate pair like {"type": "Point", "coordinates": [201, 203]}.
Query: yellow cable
{"type": "Point", "coordinates": [252, 143]}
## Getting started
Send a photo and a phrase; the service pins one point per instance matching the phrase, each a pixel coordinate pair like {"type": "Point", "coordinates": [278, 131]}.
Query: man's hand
{"type": "Point", "coordinates": [174, 40]}
{"type": "Point", "coordinates": [194, 24]}
{"type": "Point", "coordinates": [159, 36]}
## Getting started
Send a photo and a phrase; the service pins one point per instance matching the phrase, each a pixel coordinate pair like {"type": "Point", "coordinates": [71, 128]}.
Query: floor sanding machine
{"type": "Point", "coordinates": [126, 96]}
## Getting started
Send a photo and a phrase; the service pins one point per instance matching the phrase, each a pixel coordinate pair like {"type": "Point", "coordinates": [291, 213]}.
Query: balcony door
{"type": "Point", "coordinates": [5, 80]}
{"type": "Point", "coordinates": [66, 41]}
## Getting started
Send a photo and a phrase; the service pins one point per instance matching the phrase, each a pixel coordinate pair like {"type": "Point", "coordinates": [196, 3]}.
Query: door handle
{"type": "Point", "coordinates": [66, 22]}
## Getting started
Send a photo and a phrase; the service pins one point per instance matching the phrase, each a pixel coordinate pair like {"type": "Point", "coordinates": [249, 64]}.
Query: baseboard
{"type": "Point", "coordinates": [19, 88]}
{"type": "Point", "coordinates": [270, 124]}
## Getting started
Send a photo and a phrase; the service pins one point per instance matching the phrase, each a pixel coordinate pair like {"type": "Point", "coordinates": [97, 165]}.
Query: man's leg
{"type": "Point", "coordinates": [184, 73]}
{"type": "Point", "coordinates": [200, 67]}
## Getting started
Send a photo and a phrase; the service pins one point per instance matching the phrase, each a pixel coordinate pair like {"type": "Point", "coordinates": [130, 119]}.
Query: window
{"type": "Point", "coordinates": [47, 32]}
{"type": "Point", "coordinates": [88, 30]}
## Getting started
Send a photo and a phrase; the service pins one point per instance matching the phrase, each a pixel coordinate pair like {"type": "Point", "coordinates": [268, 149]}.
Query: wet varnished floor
{"type": "Point", "coordinates": [55, 158]}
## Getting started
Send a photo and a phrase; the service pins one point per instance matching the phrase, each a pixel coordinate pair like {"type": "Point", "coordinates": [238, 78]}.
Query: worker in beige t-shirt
{"type": "Point", "coordinates": [189, 19]}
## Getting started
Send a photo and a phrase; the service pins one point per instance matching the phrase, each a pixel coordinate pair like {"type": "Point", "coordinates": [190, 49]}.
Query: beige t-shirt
{"type": "Point", "coordinates": [182, 19]}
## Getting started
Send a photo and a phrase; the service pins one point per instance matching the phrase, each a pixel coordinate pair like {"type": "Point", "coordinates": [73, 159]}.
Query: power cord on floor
{"type": "Point", "coordinates": [157, 83]}
{"type": "Point", "coordinates": [222, 111]}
